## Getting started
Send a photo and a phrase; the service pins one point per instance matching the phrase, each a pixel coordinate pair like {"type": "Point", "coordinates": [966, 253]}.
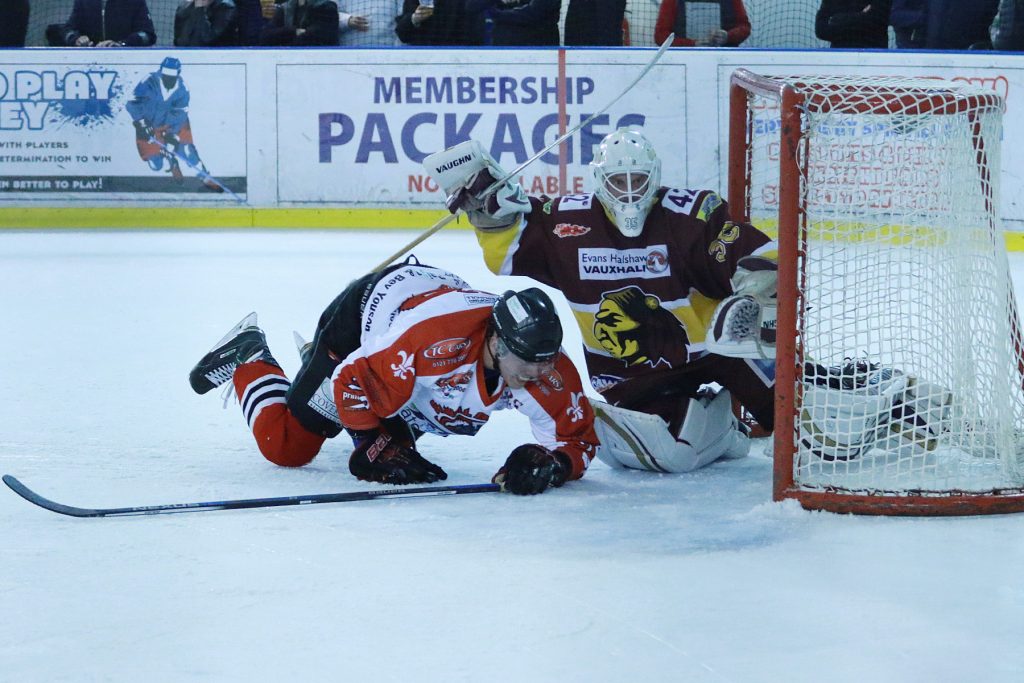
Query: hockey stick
{"type": "Point", "coordinates": [241, 504]}
{"type": "Point", "coordinates": [518, 169]}
{"type": "Point", "coordinates": [200, 173]}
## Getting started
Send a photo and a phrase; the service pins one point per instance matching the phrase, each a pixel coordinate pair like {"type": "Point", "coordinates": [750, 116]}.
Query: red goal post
{"type": "Point", "coordinates": [899, 355]}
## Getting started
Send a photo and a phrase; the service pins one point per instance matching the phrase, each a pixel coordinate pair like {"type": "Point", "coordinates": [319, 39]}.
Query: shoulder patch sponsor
{"type": "Point", "coordinates": [614, 264]}
{"type": "Point", "coordinates": [564, 230]}
{"type": "Point", "coordinates": [707, 207]}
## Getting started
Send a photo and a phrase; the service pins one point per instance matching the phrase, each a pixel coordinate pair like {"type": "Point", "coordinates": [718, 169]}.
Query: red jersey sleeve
{"type": "Point", "coordinates": [367, 388]}
{"type": "Point", "coordinates": [561, 415]}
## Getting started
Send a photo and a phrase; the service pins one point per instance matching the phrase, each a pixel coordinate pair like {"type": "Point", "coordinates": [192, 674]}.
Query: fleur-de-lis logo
{"type": "Point", "coordinates": [575, 411]}
{"type": "Point", "coordinates": [404, 365]}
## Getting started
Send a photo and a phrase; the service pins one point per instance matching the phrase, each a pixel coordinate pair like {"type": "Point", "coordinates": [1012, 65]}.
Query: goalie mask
{"type": "Point", "coordinates": [627, 175]}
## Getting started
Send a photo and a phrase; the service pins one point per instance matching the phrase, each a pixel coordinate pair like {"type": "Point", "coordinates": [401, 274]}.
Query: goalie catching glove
{"type": "Point", "coordinates": [388, 459]}
{"type": "Point", "coordinates": [531, 469]}
{"type": "Point", "coordinates": [743, 325]}
{"type": "Point", "coordinates": [465, 172]}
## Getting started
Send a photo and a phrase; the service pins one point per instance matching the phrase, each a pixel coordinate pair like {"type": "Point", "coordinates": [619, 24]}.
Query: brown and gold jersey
{"type": "Point", "coordinates": [642, 303]}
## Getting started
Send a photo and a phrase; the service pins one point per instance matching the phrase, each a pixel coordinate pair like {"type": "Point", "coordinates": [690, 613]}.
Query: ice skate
{"type": "Point", "coordinates": [244, 343]}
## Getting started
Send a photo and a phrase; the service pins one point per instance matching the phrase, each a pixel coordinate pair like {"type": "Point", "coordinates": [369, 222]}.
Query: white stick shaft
{"type": "Point", "coordinates": [519, 169]}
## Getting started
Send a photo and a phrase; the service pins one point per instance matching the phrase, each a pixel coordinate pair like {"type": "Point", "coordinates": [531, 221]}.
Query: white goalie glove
{"type": "Point", "coordinates": [743, 325]}
{"type": "Point", "coordinates": [851, 409]}
{"type": "Point", "coordinates": [465, 172]}
{"type": "Point", "coordinates": [642, 441]}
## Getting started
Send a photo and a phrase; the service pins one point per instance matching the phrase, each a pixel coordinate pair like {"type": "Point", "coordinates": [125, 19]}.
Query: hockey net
{"type": "Point", "coordinates": [899, 358]}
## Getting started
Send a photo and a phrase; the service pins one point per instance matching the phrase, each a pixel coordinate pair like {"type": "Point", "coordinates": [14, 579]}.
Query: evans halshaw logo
{"type": "Point", "coordinates": [613, 264]}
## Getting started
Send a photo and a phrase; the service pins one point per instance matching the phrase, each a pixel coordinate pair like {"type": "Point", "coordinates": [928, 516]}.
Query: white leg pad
{"type": "Point", "coordinates": [642, 441]}
{"type": "Point", "coordinates": [840, 424]}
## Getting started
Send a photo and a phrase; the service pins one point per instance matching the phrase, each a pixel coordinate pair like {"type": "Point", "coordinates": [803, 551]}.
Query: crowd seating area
{"type": "Point", "coordinates": [793, 24]}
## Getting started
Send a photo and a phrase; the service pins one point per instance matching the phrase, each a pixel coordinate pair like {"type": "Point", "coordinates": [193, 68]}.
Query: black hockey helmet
{"type": "Point", "coordinates": [528, 325]}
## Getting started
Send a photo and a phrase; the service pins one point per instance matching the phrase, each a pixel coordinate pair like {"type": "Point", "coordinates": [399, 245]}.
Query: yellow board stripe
{"type": "Point", "coordinates": [892, 234]}
{"type": "Point", "coordinates": [143, 217]}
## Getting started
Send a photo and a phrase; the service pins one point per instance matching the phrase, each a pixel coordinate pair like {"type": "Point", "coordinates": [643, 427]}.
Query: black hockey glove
{"type": "Point", "coordinates": [143, 131]}
{"type": "Point", "coordinates": [531, 469]}
{"type": "Point", "coordinates": [388, 460]}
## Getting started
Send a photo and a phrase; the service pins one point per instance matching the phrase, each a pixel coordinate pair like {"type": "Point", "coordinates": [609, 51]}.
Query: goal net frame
{"type": "Point", "coordinates": [799, 99]}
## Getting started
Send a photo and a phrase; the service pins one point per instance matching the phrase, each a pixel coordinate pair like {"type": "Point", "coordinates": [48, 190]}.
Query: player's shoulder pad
{"type": "Point", "coordinates": [699, 204]}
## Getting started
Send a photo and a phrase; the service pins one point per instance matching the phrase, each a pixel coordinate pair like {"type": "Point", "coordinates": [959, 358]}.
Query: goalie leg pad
{"type": "Point", "coordinates": [642, 441]}
{"type": "Point", "coordinates": [843, 416]}
{"type": "Point", "coordinates": [920, 415]}
{"type": "Point", "coordinates": [850, 409]}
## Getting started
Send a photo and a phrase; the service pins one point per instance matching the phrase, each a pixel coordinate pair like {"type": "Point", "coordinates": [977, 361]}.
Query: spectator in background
{"type": "Point", "coordinates": [108, 23]}
{"type": "Point", "coordinates": [14, 23]}
{"type": "Point", "coordinates": [854, 23]}
{"type": "Point", "coordinates": [520, 22]}
{"type": "Point", "coordinates": [909, 21]}
{"type": "Point", "coordinates": [729, 29]}
{"type": "Point", "coordinates": [436, 22]}
{"type": "Point", "coordinates": [594, 22]}
{"type": "Point", "coordinates": [206, 23]}
{"type": "Point", "coordinates": [303, 22]}
{"type": "Point", "coordinates": [249, 16]}
{"type": "Point", "coordinates": [1008, 27]}
{"type": "Point", "coordinates": [959, 24]}
{"type": "Point", "coordinates": [369, 23]}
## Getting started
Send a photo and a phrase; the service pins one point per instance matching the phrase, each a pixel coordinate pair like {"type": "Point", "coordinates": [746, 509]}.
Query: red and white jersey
{"type": "Point", "coordinates": [421, 358]}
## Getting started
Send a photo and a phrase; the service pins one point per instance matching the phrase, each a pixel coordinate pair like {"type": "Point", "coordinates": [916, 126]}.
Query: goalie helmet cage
{"type": "Point", "coordinates": [892, 265]}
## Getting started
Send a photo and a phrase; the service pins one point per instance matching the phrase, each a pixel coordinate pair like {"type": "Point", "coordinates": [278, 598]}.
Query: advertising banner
{"type": "Point", "coordinates": [136, 125]}
{"type": "Point", "coordinates": [352, 133]}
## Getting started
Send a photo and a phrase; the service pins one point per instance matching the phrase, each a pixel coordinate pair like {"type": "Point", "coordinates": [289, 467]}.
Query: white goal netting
{"type": "Point", "coordinates": [907, 352]}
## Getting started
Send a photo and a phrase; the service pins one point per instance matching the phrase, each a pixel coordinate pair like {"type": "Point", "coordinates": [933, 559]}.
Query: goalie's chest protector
{"type": "Point", "coordinates": [642, 303]}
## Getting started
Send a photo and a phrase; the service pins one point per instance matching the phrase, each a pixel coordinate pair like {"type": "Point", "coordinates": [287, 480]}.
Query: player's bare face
{"type": "Point", "coordinates": [627, 187]}
{"type": "Point", "coordinates": [517, 372]}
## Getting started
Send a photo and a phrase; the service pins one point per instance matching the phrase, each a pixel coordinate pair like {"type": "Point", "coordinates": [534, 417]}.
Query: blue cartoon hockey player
{"type": "Point", "coordinates": [159, 111]}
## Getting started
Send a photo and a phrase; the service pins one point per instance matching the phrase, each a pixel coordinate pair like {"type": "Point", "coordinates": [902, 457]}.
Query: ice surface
{"type": "Point", "coordinates": [623, 576]}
